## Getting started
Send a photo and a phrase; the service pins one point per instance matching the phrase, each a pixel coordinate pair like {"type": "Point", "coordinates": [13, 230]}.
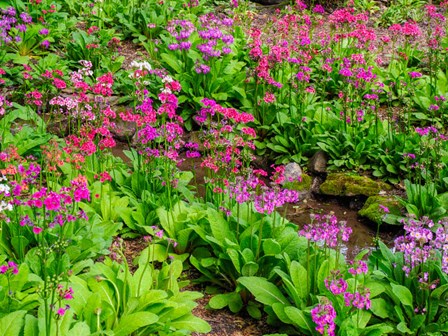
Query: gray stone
{"type": "Point", "coordinates": [318, 163]}
{"type": "Point", "coordinates": [293, 172]}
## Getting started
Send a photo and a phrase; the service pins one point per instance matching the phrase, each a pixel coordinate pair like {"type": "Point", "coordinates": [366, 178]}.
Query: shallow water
{"type": "Point", "coordinates": [363, 231]}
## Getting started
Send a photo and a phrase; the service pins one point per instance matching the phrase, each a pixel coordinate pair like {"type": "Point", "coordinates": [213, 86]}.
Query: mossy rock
{"type": "Point", "coordinates": [343, 184]}
{"type": "Point", "coordinates": [303, 185]}
{"type": "Point", "coordinates": [372, 210]}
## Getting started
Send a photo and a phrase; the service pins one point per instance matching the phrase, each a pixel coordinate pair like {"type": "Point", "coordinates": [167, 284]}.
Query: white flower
{"type": "Point", "coordinates": [141, 65]}
{"type": "Point", "coordinates": [5, 206]}
{"type": "Point", "coordinates": [4, 189]}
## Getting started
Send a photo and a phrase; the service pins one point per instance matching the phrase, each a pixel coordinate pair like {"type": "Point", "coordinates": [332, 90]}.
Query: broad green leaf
{"type": "Point", "coordinates": [263, 290]}
{"type": "Point", "coordinates": [11, 324]}
{"type": "Point", "coordinates": [402, 327]}
{"type": "Point", "coordinates": [31, 326]}
{"type": "Point", "coordinates": [219, 301]}
{"type": "Point", "coordinates": [417, 321]}
{"type": "Point", "coordinates": [279, 310]}
{"type": "Point", "coordinates": [271, 247]}
{"type": "Point", "coordinates": [172, 62]}
{"type": "Point", "coordinates": [218, 225]}
{"type": "Point", "coordinates": [380, 329]}
{"type": "Point", "coordinates": [380, 308]}
{"type": "Point", "coordinates": [298, 318]}
{"type": "Point", "coordinates": [130, 323]}
{"type": "Point", "coordinates": [192, 323]}
{"type": "Point", "coordinates": [249, 269]}
{"type": "Point", "coordinates": [254, 311]}
{"type": "Point", "coordinates": [299, 277]}
{"type": "Point", "coordinates": [403, 294]}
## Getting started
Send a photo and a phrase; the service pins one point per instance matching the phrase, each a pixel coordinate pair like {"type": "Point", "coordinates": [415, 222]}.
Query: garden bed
{"type": "Point", "coordinates": [201, 167]}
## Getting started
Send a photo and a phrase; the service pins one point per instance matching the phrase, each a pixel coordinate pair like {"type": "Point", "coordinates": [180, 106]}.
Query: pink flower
{"type": "Point", "coordinates": [61, 311]}
{"type": "Point", "coordinates": [37, 230]}
{"type": "Point", "coordinates": [53, 202]}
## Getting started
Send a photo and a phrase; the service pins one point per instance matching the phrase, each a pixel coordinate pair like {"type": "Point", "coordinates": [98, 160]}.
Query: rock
{"type": "Point", "coordinates": [292, 172]}
{"type": "Point", "coordinates": [302, 185]}
{"type": "Point", "coordinates": [343, 184]}
{"type": "Point", "coordinates": [375, 213]}
{"type": "Point", "coordinates": [318, 163]}
{"type": "Point", "coordinates": [124, 130]}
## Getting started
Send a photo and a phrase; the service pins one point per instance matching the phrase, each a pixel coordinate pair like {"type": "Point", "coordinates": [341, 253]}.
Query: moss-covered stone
{"type": "Point", "coordinates": [344, 184]}
{"type": "Point", "coordinates": [303, 185]}
{"type": "Point", "coordinates": [372, 210]}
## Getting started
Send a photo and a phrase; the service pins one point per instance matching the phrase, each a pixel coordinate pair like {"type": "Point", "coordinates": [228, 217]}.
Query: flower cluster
{"type": "Point", "coordinates": [324, 316]}
{"type": "Point", "coordinates": [326, 229]}
{"type": "Point", "coordinates": [420, 244]}
{"type": "Point", "coordinates": [10, 267]}
{"type": "Point", "coordinates": [215, 35]}
{"type": "Point", "coordinates": [181, 30]}
{"type": "Point", "coordinates": [335, 283]}
{"type": "Point", "coordinates": [360, 299]}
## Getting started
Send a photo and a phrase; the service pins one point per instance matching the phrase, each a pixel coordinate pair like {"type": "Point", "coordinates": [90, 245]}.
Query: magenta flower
{"type": "Point", "coordinates": [37, 230]}
{"type": "Point", "coordinates": [324, 316]}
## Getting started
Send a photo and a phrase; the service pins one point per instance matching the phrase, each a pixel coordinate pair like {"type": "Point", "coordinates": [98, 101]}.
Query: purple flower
{"type": "Point", "coordinates": [318, 9]}
{"type": "Point", "coordinates": [346, 72]}
{"type": "Point", "coordinates": [21, 28]}
{"type": "Point", "coordinates": [26, 18]}
{"type": "Point", "coordinates": [414, 74]}
{"type": "Point", "coordinates": [335, 283]}
{"type": "Point", "coordinates": [44, 31]}
{"type": "Point", "coordinates": [324, 316]}
{"type": "Point", "coordinates": [359, 267]}
{"type": "Point", "coordinates": [326, 229]}
{"type": "Point", "coordinates": [45, 44]}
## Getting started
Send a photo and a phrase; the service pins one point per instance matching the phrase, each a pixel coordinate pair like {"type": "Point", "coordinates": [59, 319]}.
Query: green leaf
{"type": "Point", "coordinates": [403, 294]}
{"type": "Point", "coordinates": [380, 308]}
{"type": "Point", "coordinates": [271, 247]}
{"type": "Point", "coordinates": [11, 324]}
{"type": "Point", "coordinates": [249, 269]}
{"type": "Point", "coordinates": [219, 301]}
{"type": "Point", "coordinates": [130, 323]}
{"type": "Point", "coordinates": [192, 323]}
{"type": "Point", "coordinates": [299, 277]}
{"type": "Point", "coordinates": [263, 290]}
{"type": "Point", "coordinates": [299, 318]}
{"type": "Point", "coordinates": [79, 329]}
{"type": "Point", "coordinates": [379, 329]}
{"type": "Point", "coordinates": [402, 327]}
{"type": "Point", "coordinates": [254, 311]}
{"type": "Point", "coordinates": [279, 310]}
{"type": "Point", "coordinates": [218, 225]}
{"type": "Point", "coordinates": [417, 321]}
{"type": "Point", "coordinates": [172, 62]}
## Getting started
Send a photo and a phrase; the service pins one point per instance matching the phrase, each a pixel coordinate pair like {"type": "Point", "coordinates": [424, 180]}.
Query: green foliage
{"type": "Point", "coordinates": [255, 246]}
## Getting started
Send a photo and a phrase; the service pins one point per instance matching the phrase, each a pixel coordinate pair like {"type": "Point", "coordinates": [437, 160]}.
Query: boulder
{"type": "Point", "coordinates": [318, 162]}
{"type": "Point", "coordinates": [344, 184]}
{"type": "Point", "coordinates": [376, 207]}
{"type": "Point", "coordinates": [292, 172]}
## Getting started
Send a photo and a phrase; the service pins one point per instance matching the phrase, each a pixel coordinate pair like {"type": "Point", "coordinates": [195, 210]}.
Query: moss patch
{"type": "Point", "coordinates": [305, 184]}
{"type": "Point", "coordinates": [372, 210]}
{"type": "Point", "coordinates": [343, 184]}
